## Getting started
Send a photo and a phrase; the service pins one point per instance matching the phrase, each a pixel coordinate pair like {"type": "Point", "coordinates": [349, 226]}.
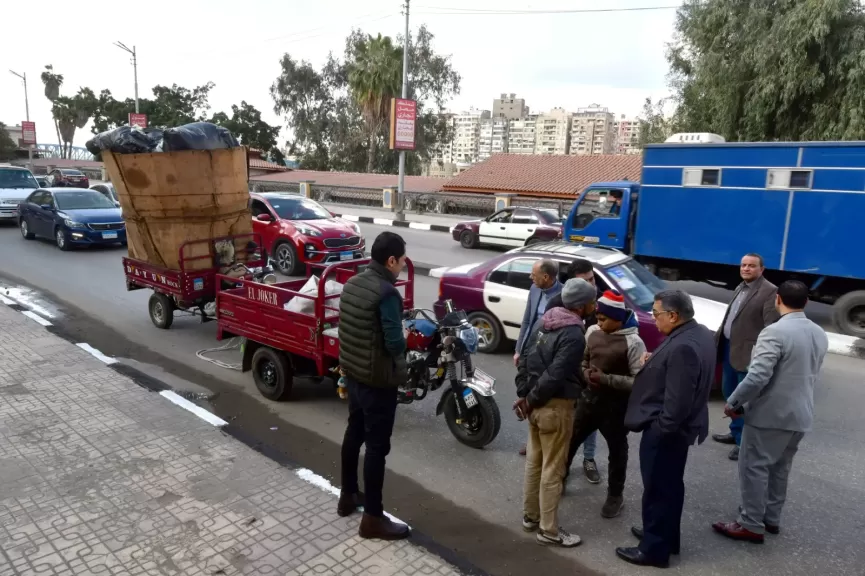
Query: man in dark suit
{"type": "Point", "coordinates": [751, 310]}
{"type": "Point", "coordinates": [668, 405]}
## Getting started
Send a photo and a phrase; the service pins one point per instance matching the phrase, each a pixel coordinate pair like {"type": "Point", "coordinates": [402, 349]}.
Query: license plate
{"type": "Point", "coordinates": [484, 377]}
{"type": "Point", "coordinates": [346, 255]}
{"type": "Point", "coordinates": [109, 235]}
{"type": "Point", "coordinates": [198, 284]}
{"type": "Point", "coordinates": [469, 398]}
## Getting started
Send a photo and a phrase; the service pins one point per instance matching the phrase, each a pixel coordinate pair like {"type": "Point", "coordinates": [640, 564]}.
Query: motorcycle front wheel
{"type": "Point", "coordinates": [480, 427]}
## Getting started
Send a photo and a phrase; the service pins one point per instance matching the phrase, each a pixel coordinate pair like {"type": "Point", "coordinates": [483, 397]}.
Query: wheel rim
{"type": "Point", "coordinates": [485, 332]}
{"type": "Point", "coordinates": [158, 312]}
{"type": "Point", "coordinates": [284, 259]}
{"type": "Point", "coordinates": [24, 230]}
{"type": "Point", "coordinates": [267, 373]}
{"type": "Point", "coordinates": [61, 239]}
{"type": "Point", "coordinates": [467, 239]}
{"type": "Point", "coordinates": [475, 422]}
{"type": "Point", "coordinates": [856, 317]}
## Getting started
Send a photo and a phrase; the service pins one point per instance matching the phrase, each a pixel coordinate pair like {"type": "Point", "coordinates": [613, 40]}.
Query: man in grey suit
{"type": "Point", "coordinates": [751, 310]}
{"type": "Point", "coordinates": [777, 399]}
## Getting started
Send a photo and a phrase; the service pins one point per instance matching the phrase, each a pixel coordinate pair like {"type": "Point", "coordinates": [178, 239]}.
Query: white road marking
{"type": "Point", "coordinates": [36, 318]}
{"type": "Point", "coordinates": [419, 225]}
{"type": "Point", "coordinates": [382, 221]}
{"type": "Point", "coordinates": [96, 353]}
{"type": "Point", "coordinates": [6, 300]}
{"type": "Point", "coordinates": [438, 272]}
{"type": "Point", "coordinates": [27, 298]}
{"type": "Point", "coordinates": [322, 483]}
{"type": "Point", "coordinates": [846, 345]}
{"type": "Point", "coordinates": [197, 410]}
{"type": "Point", "coordinates": [350, 217]}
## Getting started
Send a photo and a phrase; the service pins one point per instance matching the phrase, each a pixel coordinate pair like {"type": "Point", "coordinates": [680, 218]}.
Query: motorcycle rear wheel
{"type": "Point", "coordinates": [482, 425]}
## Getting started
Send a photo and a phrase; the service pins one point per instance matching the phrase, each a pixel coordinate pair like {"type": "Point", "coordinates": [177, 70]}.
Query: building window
{"type": "Point", "coordinates": [787, 179]}
{"type": "Point", "coordinates": [701, 177]}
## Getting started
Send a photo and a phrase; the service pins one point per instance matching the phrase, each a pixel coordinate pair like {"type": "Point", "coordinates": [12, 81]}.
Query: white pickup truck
{"type": "Point", "coordinates": [16, 184]}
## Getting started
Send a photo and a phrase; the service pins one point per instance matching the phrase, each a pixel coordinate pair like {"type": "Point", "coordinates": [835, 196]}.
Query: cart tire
{"type": "Point", "coordinates": [286, 260]}
{"type": "Point", "coordinates": [272, 373]}
{"type": "Point", "coordinates": [161, 309]}
{"type": "Point", "coordinates": [485, 425]}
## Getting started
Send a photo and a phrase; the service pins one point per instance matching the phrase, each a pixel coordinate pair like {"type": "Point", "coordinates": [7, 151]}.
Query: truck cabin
{"type": "Point", "coordinates": [601, 215]}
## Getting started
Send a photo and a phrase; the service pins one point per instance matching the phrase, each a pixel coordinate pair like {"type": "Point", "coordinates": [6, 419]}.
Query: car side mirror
{"type": "Point", "coordinates": [46, 206]}
{"type": "Point", "coordinates": [264, 218]}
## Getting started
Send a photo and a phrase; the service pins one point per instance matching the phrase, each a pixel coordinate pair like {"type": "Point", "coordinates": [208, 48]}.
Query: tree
{"type": "Point", "coordinates": [53, 82]}
{"type": "Point", "coordinates": [171, 106]}
{"type": "Point", "coordinates": [375, 78]}
{"type": "Point", "coordinates": [770, 70]}
{"type": "Point", "coordinates": [654, 124]}
{"type": "Point", "coordinates": [71, 113]}
{"type": "Point", "coordinates": [248, 127]}
{"type": "Point", "coordinates": [8, 147]}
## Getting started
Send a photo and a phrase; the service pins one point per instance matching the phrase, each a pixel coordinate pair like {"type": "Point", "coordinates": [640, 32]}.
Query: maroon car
{"type": "Point", "coordinates": [512, 227]}
{"type": "Point", "coordinates": [494, 293]}
{"type": "Point", "coordinates": [68, 177]}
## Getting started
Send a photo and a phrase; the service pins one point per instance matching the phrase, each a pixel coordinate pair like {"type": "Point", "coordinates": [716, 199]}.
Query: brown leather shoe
{"type": "Point", "coordinates": [523, 451]}
{"type": "Point", "coordinates": [382, 528]}
{"type": "Point", "coordinates": [736, 531]}
{"type": "Point", "coordinates": [348, 503]}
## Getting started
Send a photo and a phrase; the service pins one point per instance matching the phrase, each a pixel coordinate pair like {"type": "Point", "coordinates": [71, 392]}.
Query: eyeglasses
{"type": "Point", "coordinates": [657, 313]}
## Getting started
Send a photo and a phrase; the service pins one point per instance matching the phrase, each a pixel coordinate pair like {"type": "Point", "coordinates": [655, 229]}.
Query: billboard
{"type": "Point", "coordinates": [403, 116]}
{"type": "Point", "coordinates": [139, 120]}
{"type": "Point", "coordinates": [28, 133]}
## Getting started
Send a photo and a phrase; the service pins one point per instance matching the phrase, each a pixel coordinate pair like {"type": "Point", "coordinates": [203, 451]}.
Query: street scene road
{"type": "Point", "coordinates": [470, 500]}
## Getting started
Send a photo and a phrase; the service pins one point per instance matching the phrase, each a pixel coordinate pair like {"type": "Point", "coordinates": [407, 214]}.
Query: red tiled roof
{"type": "Point", "coordinates": [535, 175]}
{"type": "Point", "coordinates": [265, 165]}
{"type": "Point", "coordinates": [420, 184]}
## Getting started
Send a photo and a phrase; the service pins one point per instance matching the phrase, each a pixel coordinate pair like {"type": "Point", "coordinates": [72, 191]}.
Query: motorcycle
{"type": "Point", "coordinates": [439, 352]}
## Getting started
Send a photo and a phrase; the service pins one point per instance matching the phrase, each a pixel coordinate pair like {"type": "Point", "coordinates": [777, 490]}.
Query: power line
{"type": "Point", "coordinates": [450, 10]}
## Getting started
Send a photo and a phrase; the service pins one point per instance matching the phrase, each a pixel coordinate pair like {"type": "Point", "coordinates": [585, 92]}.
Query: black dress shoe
{"type": "Point", "coordinates": [734, 454]}
{"type": "Point", "coordinates": [638, 534]}
{"type": "Point", "coordinates": [348, 503]}
{"type": "Point", "coordinates": [724, 438]}
{"type": "Point", "coordinates": [636, 556]}
{"type": "Point", "coordinates": [772, 529]}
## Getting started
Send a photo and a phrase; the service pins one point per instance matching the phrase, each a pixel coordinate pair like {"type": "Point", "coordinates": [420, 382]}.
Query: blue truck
{"type": "Point", "coordinates": [701, 206]}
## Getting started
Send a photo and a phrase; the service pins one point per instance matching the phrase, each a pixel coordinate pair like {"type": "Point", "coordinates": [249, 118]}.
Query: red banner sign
{"type": "Point", "coordinates": [28, 133]}
{"type": "Point", "coordinates": [403, 118]}
{"type": "Point", "coordinates": [139, 120]}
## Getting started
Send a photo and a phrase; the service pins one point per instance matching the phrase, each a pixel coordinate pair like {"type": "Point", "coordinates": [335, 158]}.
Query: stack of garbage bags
{"type": "Point", "coordinates": [134, 140]}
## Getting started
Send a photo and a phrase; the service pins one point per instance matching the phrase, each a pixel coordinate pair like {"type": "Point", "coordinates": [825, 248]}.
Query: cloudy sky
{"type": "Point", "coordinates": [615, 59]}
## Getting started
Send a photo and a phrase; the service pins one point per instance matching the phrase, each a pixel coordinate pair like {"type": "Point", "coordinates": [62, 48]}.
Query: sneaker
{"type": "Point", "coordinates": [591, 470]}
{"type": "Point", "coordinates": [530, 525]}
{"type": "Point", "coordinates": [613, 506]}
{"type": "Point", "coordinates": [563, 539]}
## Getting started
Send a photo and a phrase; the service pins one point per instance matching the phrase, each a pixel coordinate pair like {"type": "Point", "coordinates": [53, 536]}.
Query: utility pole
{"type": "Point", "coordinates": [27, 112]}
{"type": "Point", "coordinates": [123, 46]}
{"type": "Point", "coordinates": [400, 201]}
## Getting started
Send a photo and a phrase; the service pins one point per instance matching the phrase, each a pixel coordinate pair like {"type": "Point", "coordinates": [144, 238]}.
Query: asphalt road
{"type": "Point", "coordinates": [469, 500]}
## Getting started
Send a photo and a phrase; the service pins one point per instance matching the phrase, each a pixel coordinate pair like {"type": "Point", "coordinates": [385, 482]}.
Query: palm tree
{"type": "Point", "coordinates": [53, 82]}
{"type": "Point", "coordinates": [375, 78]}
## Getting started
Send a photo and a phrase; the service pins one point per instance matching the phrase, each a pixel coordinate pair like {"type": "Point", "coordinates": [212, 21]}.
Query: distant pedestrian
{"type": "Point", "coordinates": [668, 405]}
{"type": "Point", "coordinates": [777, 398]}
{"type": "Point", "coordinates": [751, 310]}
{"type": "Point", "coordinates": [582, 268]}
{"type": "Point", "coordinates": [613, 356]}
{"type": "Point", "coordinates": [548, 402]}
{"type": "Point", "coordinates": [372, 356]}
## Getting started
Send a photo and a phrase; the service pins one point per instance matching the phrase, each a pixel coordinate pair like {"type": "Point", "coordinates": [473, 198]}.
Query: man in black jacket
{"type": "Point", "coordinates": [668, 405]}
{"type": "Point", "coordinates": [547, 399]}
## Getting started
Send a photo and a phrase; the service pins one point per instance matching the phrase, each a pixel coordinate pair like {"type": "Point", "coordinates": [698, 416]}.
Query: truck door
{"type": "Point", "coordinates": [600, 216]}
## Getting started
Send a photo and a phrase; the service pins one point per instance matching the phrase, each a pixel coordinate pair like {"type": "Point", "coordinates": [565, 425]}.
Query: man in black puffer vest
{"type": "Point", "coordinates": [372, 357]}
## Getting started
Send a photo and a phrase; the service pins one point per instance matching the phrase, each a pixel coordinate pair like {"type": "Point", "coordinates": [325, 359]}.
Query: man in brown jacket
{"type": "Point", "coordinates": [751, 310]}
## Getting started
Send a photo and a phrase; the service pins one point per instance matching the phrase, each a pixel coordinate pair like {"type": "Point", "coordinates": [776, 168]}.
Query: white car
{"type": "Point", "coordinates": [16, 184]}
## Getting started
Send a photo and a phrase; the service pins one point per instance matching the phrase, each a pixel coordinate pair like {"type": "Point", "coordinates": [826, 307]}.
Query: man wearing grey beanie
{"type": "Point", "coordinates": [555, 352]}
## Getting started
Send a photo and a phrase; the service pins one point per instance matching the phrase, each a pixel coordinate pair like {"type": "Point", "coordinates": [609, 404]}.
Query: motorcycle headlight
{"type": "Point", "coordinates": [307, 230]}
{"type": "Point", "coordinates": [469, 337]}
{"type": "Point", "coordinates": [73, 224]}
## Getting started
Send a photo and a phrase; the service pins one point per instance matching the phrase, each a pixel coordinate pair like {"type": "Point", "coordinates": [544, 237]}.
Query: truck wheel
{"type": "Point", "coordinates": [490, 332]}
{"type": "Point", "coordinates": [161, 309]}
{"type": "Point", "coordinates": [272, 373]}
{"type": "Point", "coordinates": [286, 259]}
{"type": "Point", "coordinates": [468, 239]}
{"type": "Point", "coordinates": [849, 313]}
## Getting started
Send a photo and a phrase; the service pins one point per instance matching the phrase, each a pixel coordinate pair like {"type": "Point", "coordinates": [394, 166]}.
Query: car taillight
{"type": "Point", "coordinates": [441, 287]}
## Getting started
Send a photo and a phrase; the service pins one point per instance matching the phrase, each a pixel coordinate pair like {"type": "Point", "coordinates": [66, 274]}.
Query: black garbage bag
{"type": "Point", "coordinates": [125, 140]}
{"type": "Point", "coordinates": [197, 136]}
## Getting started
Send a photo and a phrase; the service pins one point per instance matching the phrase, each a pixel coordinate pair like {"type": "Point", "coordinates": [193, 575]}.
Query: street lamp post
{"type": "Point", "coordinates": [132, 51]}
{"type": "Point", "coordinates": [23, 77]}
{"type": "Point", "coordinates": [401, 186]}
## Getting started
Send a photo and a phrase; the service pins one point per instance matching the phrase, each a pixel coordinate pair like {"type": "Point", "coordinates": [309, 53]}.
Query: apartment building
{"type": "Point", "coordinates": [494, 137]}
{"type": "Point", "coordinates": [627, 135]}
{"type": "Point", "coordinates": [510, 107]}
{"type": "Point", "coordinates": [553, 132]}
{"type": "Point", "coordinates": [521, 135]}
{"type": "Point", "coordinates": [467, 135]}
{"type": "Point", "coordinates": [592, 131]}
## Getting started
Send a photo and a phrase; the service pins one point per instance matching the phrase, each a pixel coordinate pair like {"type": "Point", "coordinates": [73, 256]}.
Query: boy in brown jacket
{"type": "Point", "coordinates": [612, 357]}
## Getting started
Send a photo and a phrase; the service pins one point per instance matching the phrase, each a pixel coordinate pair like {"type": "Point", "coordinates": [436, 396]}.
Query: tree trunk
{"type": "Point", "coordinates": [370, 153]}
{"type": "Point", "coordinates": [59, 140]}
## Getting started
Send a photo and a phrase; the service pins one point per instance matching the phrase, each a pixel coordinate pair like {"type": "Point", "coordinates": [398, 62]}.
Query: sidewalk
{"type": "Point", "coordinates": [101, 476]}
{"type": "Point", "coordinates": [368, 214]}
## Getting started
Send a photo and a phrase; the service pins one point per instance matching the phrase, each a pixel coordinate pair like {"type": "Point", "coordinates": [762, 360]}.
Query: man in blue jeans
{"type": "Point", "coordinates": [751, 310]}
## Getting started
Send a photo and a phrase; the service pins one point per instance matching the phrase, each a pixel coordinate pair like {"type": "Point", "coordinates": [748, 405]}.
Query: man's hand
{"type": "Point", "coordinates": [516, 358]}
{"type": "Point", "coordinates": [594, 376]}
{"type": "Point", "coordinates": [645, 358]}
{"type": "Point", "coordinates": [731, 413]}
{"type": "Point", "coordinates": [522, 409]}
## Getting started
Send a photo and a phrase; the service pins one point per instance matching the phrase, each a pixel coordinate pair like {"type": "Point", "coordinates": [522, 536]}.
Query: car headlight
{"type": "Point", "coordinates": [307, 230]}
{"type": "Point", "coordinates": [355, 227]}
{"type": "Point", "coordinates": [73, 224]}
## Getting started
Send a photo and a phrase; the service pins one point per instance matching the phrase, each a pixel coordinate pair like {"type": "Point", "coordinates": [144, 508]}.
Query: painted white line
{"type": "Point", "coordinates": [197, 410]}
{"type": "Point", "coordinates": [382, 221]}
{"type": "Point", "coordinates": [6, 300]}
{"type": "Point", "coordinates": [322, 483]}
{"type": "Point", "coordinates": [36, 318]}
{"type": "Point", "coordinates": [438, 272]}
{"type": "Point", "coordinates": [350, 217]}
{"type": "Point", "coordinates": [28, 298]}
{"type": "Point", "coordinates": [419, 225]}
{"type": "Point", "coordinates": [96, 353]}
{"type": "Point", "coordinates": [846, 345]}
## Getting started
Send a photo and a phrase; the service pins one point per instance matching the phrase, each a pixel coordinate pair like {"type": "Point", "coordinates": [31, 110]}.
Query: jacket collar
{"type": "Point", "coordinates": [678, 331]}
{"type": "Point", "coordinates": [792, 315]}
{"type": "Point", "coordinates": [382, 271]}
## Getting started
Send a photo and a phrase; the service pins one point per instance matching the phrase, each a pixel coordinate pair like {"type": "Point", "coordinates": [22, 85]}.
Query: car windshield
{"type": "Point", "coordinates": [298, 209]}
{"type": "Point", "coordinates": [551, 217]}
{"type": "Point", "coordinates": [82, 200]}
{"type": "Point", "coordinates": [17, 179]}
{"type": "Point", "coordinates": [637, 282]}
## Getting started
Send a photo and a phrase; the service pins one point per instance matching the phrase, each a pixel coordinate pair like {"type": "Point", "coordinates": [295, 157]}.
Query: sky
{"type": "Point", "coordinates": [569, 60]}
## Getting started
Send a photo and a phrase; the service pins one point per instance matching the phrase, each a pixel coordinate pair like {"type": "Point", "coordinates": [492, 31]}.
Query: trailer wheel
{"type": "Point", "coordinates": [849, 313]}
{"type": "Point", "coordinates": [272, 373]}
{"type": "Point", "coordinates": [161, 309]}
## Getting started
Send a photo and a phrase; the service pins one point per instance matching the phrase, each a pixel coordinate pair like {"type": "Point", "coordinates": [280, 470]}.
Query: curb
{"type": "Point", "coordinates": [397, 223]}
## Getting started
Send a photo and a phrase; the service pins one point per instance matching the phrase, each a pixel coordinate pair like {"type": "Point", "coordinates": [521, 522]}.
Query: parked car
{"type": "Point", "coordinates": [107, 190]}
{"type": "Point", "coordinates": [71, 217]}
{"type": "Point", "coordinates": [494, 293]}
{"type": "Point", "coordinates": [296, 230]}
{"type": "Point", "coordinates": [510, 227]}
{"type": "Point", "coordinates": [16, 184]}
{"type": "Point", "coordinates": [67, 177]}
{"type": "Point", "coordinates": [42, 181]}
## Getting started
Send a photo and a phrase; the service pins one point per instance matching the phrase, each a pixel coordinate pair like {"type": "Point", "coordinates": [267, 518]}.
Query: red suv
{"type": "Point", "coordinates": [68, 177]}
{"type": "Point", "coordinates": [296, 230]}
